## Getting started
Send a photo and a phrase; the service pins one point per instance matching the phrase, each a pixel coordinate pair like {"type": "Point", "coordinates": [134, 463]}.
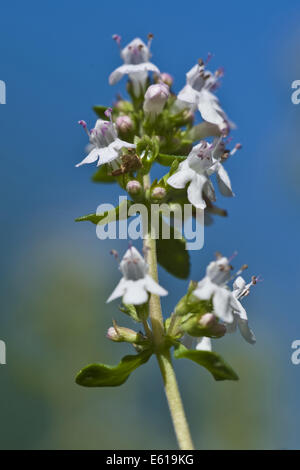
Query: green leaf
{"type": "Point", "coordinates": [109, 216]}
{"type": "Point", "coordinates": [173, 256]}
{"type": "Point", "coordinates": [210, 360]}
{"type": "Point", "coordinates": [100, 110]}
{"type": "Point", "coordinates": [102, 176]}
{"type": "Point", "coordinates": [130, 310]}
{"type": "Point", "coordinates": [101, 375]}
{"type": "Point", "coordinates": [167, 160]}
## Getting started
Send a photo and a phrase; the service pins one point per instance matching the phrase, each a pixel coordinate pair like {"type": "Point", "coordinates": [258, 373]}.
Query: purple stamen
{"type": "Point", "coordinates": [232, 256]}
{"type": "Point", "coordinates": [83, 124]}
{"type": "Point", "coordinates": [117, 38]}
{"type": "Point", "coordinates": [108, 112]}
{"type": "Point", "coordinates": [208, 58]}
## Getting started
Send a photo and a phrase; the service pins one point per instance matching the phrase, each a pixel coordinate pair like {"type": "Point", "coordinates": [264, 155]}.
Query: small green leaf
{"type": "Point", "coordinates": [101, 375]}
{"type": "Point", "coordinates": [119, 213]}
{"type": "Point", "coordinates": [210, 360]}
{"type": "Point", "coordinates": [102, 176]}
{"type": "Point", "coordinates": [130, 310]}
{"type": "Point", "coordinates": [100, 110]}
{"type": "Point", "coordinates": [173, 256]}
{"type": "Point", "coordinates": [167, 160]}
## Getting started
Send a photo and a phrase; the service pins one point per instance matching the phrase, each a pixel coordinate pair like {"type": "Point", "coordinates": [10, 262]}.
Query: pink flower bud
{"type": "Point", "coordinates": [124, 124]}
{"type": "Point", "coordinates": [155, 99]}
{"type": "Point", "coordinates": [112, 334]}
{"type": "Point", "coordinates": [121, 334]}
{"type": "Point", "coordinates": [208, 320]}
{"type": "Point", "coordinates": [133, 187]}
{"type": "Point", "coordinates": [158, 193]}
{"type": "Point", "coordinates": [167, 79]}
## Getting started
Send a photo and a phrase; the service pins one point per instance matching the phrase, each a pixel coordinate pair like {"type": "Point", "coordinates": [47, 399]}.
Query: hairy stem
{"type": "Point", "coordinates": [163, 354]}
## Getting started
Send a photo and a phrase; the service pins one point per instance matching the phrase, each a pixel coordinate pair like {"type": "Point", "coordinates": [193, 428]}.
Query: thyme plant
{"type": "Point", "coordinates": [156, 126]}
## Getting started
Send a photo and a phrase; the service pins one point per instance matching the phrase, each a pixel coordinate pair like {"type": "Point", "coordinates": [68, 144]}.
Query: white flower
{"type": "Point", "coordinates": [197, 93]}
{"type": "Point", "coordinates": [155, 99]}
{"type": "Point", "coordinates": [105, 146]}
{"type": "Point", "coordinates": [135, 283]}
{"type": "Point", "coordinates": [136, 57]}
{"type": "Point", "coordinates": [202, 161]}
{"type": "Point", "coordinates": [214, 285]}
{"type": "Point", "coordinates": [240, 290]}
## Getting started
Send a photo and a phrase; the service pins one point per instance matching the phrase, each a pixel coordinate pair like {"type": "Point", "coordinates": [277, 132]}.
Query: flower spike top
{"type": "Point", "coordinates": [197, 93]}
{"type": "Point", "coordinates": [136, 56]}
{"type": "Point", "coordinates": [203, 160]}
{"type": "Point", "coordinates": [105, 146]}
{"type": "Point", "coordinates": [136, 282]}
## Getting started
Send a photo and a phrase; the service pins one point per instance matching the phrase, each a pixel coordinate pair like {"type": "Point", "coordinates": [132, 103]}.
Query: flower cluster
{"type": "Point", "coordinates": [157, 126]}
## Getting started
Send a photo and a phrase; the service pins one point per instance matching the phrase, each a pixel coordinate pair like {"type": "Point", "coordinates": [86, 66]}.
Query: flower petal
{"type": "Point", "coordinates": [211, 111]}
{"type": "Point", "coordinates": [224, 181]}
{"type": "Point", "coordinates": [204, 344]}
{"type": "Point", "coordinates": [188, 95]}
{"type": "Point", "coordinates": [194, 192]}
{"type": "Point", "coordinates": [119, 291]}
{"type": "Point", "coordinates": [246, 331]}
{"type": "Point", "coordinates": [91, 158]}
{"type": "Point", "coordinates": [180, 179]}
{"type": "Point", "coordinates": [135, 292]}
{"type": "Point", "coordinates": [108, 154]}
{"type": "Point", "coordinates": [239, 283]}
{"type": "Point", "coordinates": [221, 303]}
{"type": "Point", "coordinates": [125, 69]}
{"type": "Point", "coordinates": [118, 144]}
{"type": "Point", "coordinates": [153, 287]}
{"type": "Point", "coordinates": [209, 190]}
{"type": "Point", "coordinates": [205, 289]}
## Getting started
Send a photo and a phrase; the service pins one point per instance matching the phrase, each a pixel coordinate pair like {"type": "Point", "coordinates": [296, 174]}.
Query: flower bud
{"type": "Point", "coordinates": [158, 192]}
{"type": "Point", "coordinates": [210, 322]}
{"type": "Point", "coordinates": [155, 99]}
{"type": "Point", "coordinates": [121, 334]}
{"type": "Point", "coordinates": [207, 320]}
{"type": "Point", "coordinates": [133, 187]}
{"type": "Point", "coordinates": [124, 106]}
{"type": "Point", "coordinates": [124, 124]}
{"type": "Point", "coordinates": [167, 79]}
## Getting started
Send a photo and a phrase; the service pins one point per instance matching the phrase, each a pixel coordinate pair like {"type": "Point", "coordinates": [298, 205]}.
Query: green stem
{"type": "Point", "coordinates": [163, 355]}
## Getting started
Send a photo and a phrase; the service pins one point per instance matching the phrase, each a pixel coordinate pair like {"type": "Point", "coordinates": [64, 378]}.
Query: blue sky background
{"type": "Point", "coordinates": [55, 58]}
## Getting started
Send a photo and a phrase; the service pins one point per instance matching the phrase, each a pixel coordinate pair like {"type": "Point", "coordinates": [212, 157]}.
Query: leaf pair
{"type": "Point", "coordinates": [101, 375]}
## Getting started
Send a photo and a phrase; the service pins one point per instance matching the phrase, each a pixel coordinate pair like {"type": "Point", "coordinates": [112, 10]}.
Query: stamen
{"type": "Point", "coordinates": [117, 38]}
{"type": "Point", "coordinates": [108, 112]}
{"type": "Point", "coordinates": [84, 125]}
{"type": "Point", "coordinates": [220, 72]}
{"type": "Point", "coordinates": [234, 254]}
{"type": "Point", "coordinates": [208, 58]}
{"type": "Point", "coordinates": [115, 254]}
{"type": "Point", "coordinates": [236, 148]}
{"type": "Point", "coordinates": [150, 38]}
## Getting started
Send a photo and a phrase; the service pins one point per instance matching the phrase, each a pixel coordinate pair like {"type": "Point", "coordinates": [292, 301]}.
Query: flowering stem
{"type": "Point", "coordinates": [163, 354]}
